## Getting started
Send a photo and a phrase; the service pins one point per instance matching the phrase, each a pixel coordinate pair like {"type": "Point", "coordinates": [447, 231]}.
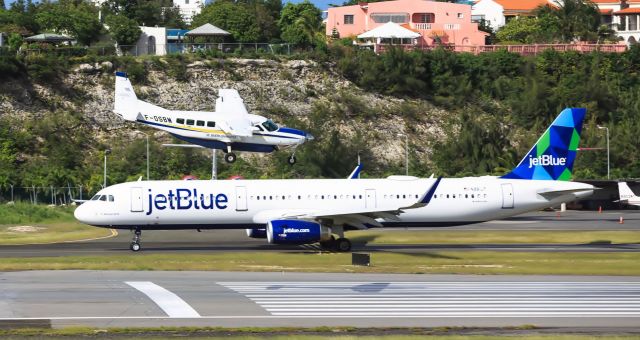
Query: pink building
{"type": "Point", "coordinates": [437, 22]}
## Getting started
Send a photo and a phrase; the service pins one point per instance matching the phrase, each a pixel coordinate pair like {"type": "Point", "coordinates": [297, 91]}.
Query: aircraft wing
{"type": "Point", "coordinates": [235, 118]}
{"type": "Point", "coordinates": [358, 218]}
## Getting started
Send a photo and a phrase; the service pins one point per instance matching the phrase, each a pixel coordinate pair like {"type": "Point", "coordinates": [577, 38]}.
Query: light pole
{"type": "Point", "coordinates": [406, 152]}
{"type": "Point", "coordinates": [147, 139]}
{"type": "Point", "coordinates": [106, 152]}
{"type": "Point", "coordinates": [608, 159]}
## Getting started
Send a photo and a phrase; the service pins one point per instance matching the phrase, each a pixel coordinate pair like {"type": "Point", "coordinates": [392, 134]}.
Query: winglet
{"type": "Point", "coordinates": [429, 195]}
{"type": "Point", "coordinates": [355, 174]}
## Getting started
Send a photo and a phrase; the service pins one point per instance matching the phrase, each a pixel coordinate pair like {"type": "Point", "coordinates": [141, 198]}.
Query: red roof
{"type": "Point", "coordinates": [605, 1]}
{"type": "Point", "coordinates": [629, 10]}
{"type": "Point", "coordinates": [606, 11]}
{"type": "Point", "coordinates": [521, 4]}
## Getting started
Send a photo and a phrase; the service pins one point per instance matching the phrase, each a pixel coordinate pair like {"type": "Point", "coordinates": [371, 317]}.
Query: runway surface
{"type": "Point", "coordinates": [122, 299]}
{"type": "Point", "coordinates": [185, 241]}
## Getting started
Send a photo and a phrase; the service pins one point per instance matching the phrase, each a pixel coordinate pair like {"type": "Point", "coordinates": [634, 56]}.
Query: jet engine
{"type": "Point", "coordinates": [257, 232]}
{"type": "Point", "coordinates": [296, 232]}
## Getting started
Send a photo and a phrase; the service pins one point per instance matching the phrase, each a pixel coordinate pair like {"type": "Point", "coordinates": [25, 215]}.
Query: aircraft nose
{"type": "Point", "coordinates": [82, 213]}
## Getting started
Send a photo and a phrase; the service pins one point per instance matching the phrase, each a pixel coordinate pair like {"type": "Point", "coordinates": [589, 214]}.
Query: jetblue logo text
{"type": "Point", "coordinates": [296, 230]}
{"type": "Point", "coordinates": [184, 199]}
{"type": "Point", "coordinates": [546, 160]}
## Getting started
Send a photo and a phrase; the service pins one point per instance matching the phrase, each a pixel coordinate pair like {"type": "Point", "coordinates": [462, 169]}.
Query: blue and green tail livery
{"type": "Point", "coordinates": [553, 155]}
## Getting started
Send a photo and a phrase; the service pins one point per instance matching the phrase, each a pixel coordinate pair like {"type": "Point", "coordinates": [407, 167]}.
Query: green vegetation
{"type": "Point", "coordinates": [446, 262]}
{"type": "Point", "coordinates": [23, 223]}
{"type": "Point", "coordinates": [493, 237]}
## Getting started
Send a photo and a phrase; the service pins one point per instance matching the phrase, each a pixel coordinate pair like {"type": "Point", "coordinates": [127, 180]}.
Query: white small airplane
{"type": "Point", "coordinates": [302, 211]}
{"type": "Point", "coordinates": [627, 195]}
{"type": "Point", "coordinates": [229, 128]}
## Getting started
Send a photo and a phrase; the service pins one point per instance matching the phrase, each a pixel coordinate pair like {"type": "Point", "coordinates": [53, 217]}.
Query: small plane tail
{"type": "Point", "coordinates": [552, 157]}
{"type": "Point", "coordinates": [126, 102]}
{"type": "Point", "coordinates": [625, 192]}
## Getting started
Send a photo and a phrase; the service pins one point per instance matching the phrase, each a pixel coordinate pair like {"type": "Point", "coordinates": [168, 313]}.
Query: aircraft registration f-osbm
{"type": "Point", "coordinates": [302, 211]}
{"type": "Point", "coordinates": [229, 128]}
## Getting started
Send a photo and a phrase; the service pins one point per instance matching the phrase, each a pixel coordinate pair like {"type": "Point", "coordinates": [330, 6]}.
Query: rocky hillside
{"type": "Point", "coordinates": [299, 93]}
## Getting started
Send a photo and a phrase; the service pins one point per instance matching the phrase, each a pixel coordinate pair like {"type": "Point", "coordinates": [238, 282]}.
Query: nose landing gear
{"type": "Point", "coordinates": [135, 243]}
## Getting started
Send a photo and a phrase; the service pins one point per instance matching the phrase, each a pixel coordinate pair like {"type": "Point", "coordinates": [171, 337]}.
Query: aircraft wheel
{"type": "Point", "coordinates": [343, 245]}
{"type": "Point", "coordinates": [292, 160]}
{"type": "Point", "coordinates": [135, 246]}
{"type": "Point", "coordinates": [230, 157]}
{"type": "Point", "coordinates": [329, 244]}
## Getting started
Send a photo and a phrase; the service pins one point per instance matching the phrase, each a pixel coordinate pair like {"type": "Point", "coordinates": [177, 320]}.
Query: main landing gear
{"type": "Point", "coordinates": [341, 244]}
{"type": "Point", "coordinates": [292, 160]}
{"type": "Point", "coordinates": [135, 243]}
{"type": "Point", "coordinates": [230, 157]}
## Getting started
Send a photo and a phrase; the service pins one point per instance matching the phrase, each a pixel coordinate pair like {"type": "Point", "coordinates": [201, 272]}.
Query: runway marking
{"type": "Point", "coordinates": [169, 302]}
{"type": "Point", "coordinates": [443, 299]}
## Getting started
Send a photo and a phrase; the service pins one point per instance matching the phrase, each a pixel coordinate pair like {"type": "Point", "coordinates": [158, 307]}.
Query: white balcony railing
{"type": "Point", "coordinates": [423, 26]}
{"type": "Point", "coordinates": [451, 26]}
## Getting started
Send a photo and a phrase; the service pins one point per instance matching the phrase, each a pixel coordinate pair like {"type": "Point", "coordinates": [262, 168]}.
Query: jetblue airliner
{"type": "Point", "coordinates": [302, 211]}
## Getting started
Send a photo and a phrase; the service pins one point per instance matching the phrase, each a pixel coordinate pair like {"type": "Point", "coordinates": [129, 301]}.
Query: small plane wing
{"type": "Point", "coordinates": [358, 218]}
{"type": "Point", "coordinates": [235, 118]}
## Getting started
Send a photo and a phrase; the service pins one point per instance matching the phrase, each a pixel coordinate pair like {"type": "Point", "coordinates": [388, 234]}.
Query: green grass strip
{"type": "Point", "coordinates": [446, 262]}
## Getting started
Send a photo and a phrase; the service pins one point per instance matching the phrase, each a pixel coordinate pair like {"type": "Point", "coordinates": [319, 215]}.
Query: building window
{"type": "Point", "coordinates": [424, 18]}
{"type": "Point", "coordinates": [383, 18]}
{"type": "Point", "coordinates": [348, 19]}
{"type": "Point", "coordinates": [460, 15]}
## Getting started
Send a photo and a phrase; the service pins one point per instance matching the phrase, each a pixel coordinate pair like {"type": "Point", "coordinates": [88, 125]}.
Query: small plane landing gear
{"type": "Point", "coordinates": [135, 243]}
{"type": "Point", "coordinates": [292, 160]}
{"type": "Point", "coordinates": [230, 157]}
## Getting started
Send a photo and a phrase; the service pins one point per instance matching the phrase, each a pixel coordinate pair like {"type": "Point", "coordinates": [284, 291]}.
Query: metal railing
{"type": "Point", "coordinates": [54, 195]}
{"type": "Point", "coordinates": [519, 49]}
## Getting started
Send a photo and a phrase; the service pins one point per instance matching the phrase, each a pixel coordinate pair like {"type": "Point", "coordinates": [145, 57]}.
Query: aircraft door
{"type": "Point", "coordinates": [507, 196]}
{"type": "Point", "coordinates": [136, 199]}
{"type": "Point", "coordinates": [241, 199]}
{"type": "Point", "coordinates": [370, 198]}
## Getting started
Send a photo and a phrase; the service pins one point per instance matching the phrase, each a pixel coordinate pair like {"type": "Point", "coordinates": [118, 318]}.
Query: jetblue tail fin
{"type": "Point", "coordinates": [552, 157]}
{"type": "Point", "coordinates": [126, 102]}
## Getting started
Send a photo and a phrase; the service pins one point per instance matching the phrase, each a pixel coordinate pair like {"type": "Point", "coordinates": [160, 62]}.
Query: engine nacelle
{"type": "Point", "coordinates": [296, 232]}
{"type": "Point", "coordinates": [257, 232]}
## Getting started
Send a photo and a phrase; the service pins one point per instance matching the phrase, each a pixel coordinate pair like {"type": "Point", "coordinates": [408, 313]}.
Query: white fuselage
{"type": "Point", "coordinates": [230, 204]}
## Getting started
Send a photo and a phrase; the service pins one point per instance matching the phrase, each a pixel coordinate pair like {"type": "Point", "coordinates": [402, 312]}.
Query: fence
{"type": "Point", "coordinates": [519, 49]}
{"type": "Point", "coordinates": [53, 195]}
{"type": "Point", "coordinates": [135, 50]}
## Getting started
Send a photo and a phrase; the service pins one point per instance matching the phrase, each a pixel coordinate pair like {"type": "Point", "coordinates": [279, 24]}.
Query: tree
{"type": "Point", "coordinates": [2, 7]}
{"type": "Point", "coordinates": [124, 31]}
{"type": "Point", "coordinates": [146, 12]}
{"type": "Point", "coordinates": [236, 18]}
{"type": "Point", "coordinates": [77, 18]}
{"type": "Point", "coordinates": [525, 30]}
{"type": "Point", "coordinates": [301, 24]}
{"type": "Point", "coordinates": [572, 20]}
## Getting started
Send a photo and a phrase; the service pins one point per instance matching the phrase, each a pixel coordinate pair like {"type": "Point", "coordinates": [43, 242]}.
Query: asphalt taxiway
{"type": "Point", "coordinates": [151, 299]}
{"type": "Point", "coordinates": [186, 241]}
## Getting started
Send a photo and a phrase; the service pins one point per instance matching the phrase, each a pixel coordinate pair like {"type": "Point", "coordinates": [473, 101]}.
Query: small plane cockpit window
{"type": "Point", "coordinates": [259, 127]}
{"type": "Point", "coordinates": [270, 125]}
{"type": "Point", "coordinates": [211, 124]}
{"type": "Point", "coordinates": [190, 121]}
{"type": "Point", "coordinates": [200, 123]}
{"type": "Point", "coordinates": [180, 120]}
{"type": "Point", "coordinates": [110, 198]}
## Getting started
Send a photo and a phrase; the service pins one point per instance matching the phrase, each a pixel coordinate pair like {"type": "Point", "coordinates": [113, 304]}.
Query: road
{"type": "Point", "coordinates": [123, 299]}
{"type": "Point", "coordinates": [191, 241]}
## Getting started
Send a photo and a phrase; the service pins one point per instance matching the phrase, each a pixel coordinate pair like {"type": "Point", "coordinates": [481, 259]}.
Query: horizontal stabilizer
{"type": "Point", "coordinates": [551, 193]}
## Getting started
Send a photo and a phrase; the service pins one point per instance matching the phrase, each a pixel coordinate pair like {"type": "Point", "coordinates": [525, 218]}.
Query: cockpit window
{"type": "Point", "coordinates": [110, 198]}
{"type": "Point", "coordinates": [270, 125]}
{"type": "Point", "coordinates": [259, 127]}
{"type": "Point", "coordinates": [95, 198]}
{"type": "Point", "coordinates": [103, 197]}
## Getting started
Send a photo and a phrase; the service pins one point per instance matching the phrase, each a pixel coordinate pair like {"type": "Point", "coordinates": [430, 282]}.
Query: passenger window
{"type": "Point", "coordinates": [360, 196]}
{"type": "Point", "coordinates": [434, 196]}
{"type": "Point", "coordinates": [190, 121]}
{"type": "Point", "coordinates": [110, 198]}
{"type": "Point", "coordinates": [211, 124]}
{"type": "Point", "coordinates": [180, 120]}
{"type": "Point", "coordinates": [200, 123]}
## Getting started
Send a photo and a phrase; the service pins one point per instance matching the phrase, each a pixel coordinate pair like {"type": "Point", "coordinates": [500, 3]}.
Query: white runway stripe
{"type": "Point", "coordinates": [443, 299]}
{"type": "Point", "coordinates": [169, 302]}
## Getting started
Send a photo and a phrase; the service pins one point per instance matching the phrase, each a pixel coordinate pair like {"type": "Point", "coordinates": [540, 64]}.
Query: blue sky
{"type": "Point", "coordinates": [322, 4]}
